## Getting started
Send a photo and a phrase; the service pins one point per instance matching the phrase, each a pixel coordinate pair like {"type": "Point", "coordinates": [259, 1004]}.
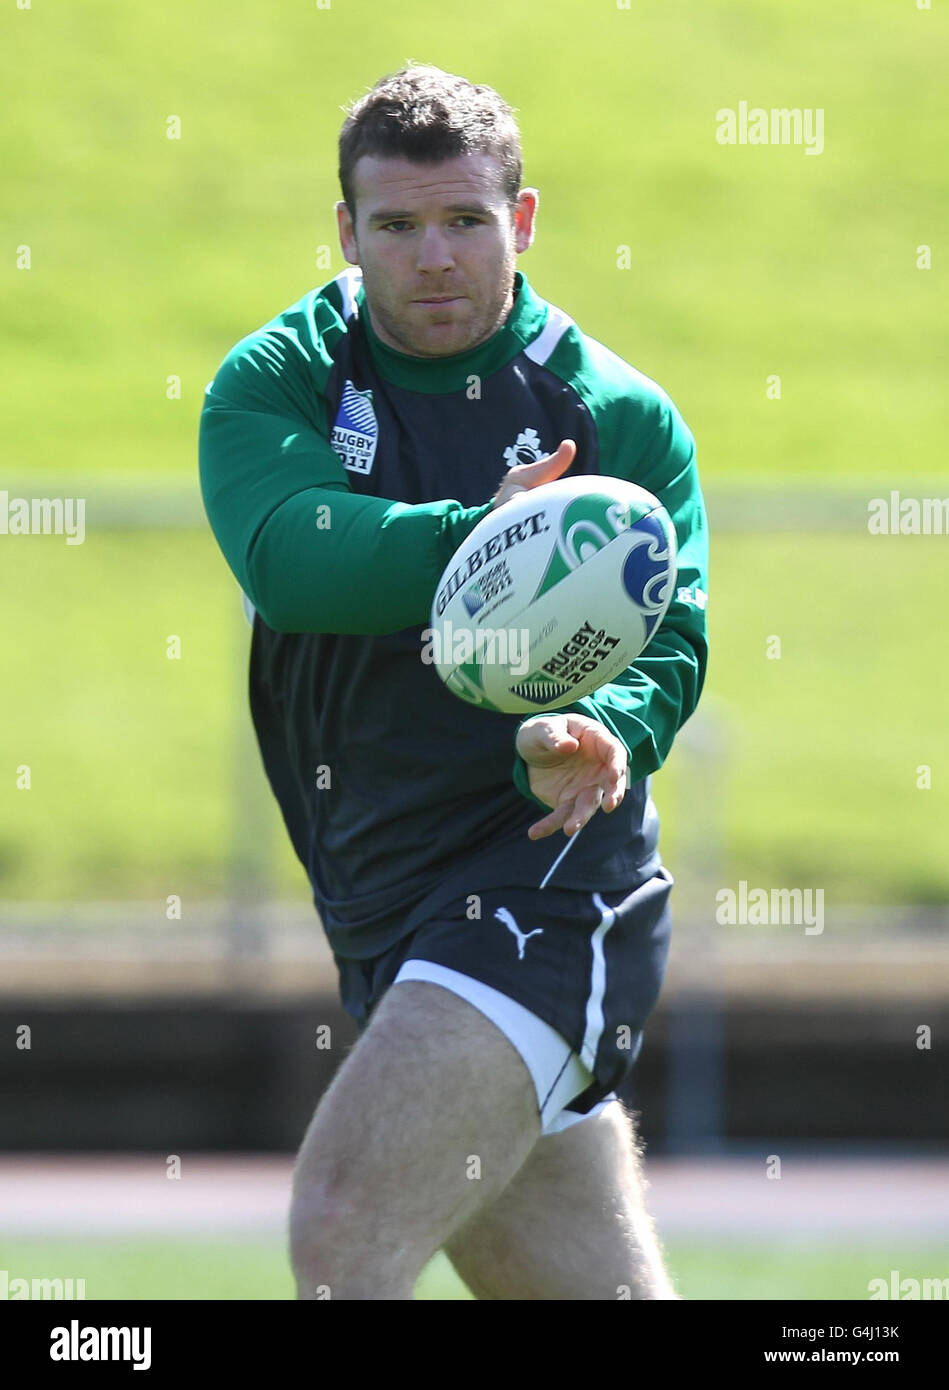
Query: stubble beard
{"type": "Point", "coordinates": [399, 330]}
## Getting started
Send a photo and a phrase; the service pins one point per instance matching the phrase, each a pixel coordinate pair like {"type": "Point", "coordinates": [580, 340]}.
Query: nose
{"type": "Point", "coordinates": [434, 252]}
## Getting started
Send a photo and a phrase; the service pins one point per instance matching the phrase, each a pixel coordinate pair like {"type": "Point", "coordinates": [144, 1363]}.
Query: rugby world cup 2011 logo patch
{"type": "Point", "coordinates": [356, 430]}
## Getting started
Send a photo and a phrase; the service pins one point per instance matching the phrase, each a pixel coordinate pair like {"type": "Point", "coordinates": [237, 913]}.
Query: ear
{"type": "Point", "coordinates": [347, 233]}
{"type": "Point", "coordinates": [525, 212]}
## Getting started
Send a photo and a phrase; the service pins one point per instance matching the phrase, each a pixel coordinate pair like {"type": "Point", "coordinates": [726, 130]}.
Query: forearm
{"type": "Point", "coordinates": [650, 701]}
{"type": "Point", "coordinates": [644, 708]}
{"type": "Point", "coordinates": [329, 561]}
{"type": "Point", "coordinates": [311, 555]}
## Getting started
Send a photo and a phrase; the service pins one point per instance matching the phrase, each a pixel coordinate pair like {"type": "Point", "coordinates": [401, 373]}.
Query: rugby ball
{"type": "Point", "coordinates": [553, 594]}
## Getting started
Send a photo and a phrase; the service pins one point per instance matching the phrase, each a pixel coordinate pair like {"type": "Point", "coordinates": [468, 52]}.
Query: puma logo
{"type": "Point", "coordinates": [507, 918]}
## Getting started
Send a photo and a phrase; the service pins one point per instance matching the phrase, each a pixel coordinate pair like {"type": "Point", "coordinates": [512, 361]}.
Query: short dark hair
{"type": "Point", "coordinates": [426, 115]}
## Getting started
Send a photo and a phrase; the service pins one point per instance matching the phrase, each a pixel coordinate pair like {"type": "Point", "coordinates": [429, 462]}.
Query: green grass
{"type": "Point", "coordinates": [151, 257]}
{"type": "Point", "coordinates": [190, 1268]}
{"type": "Point", "coordinates": [144, 775]}
{"type": "Point", "coordinates": [820, 747]}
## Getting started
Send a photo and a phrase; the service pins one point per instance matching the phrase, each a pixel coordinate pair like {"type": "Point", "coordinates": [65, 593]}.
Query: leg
{"type": "Point", "coordinates": [571, 1225]}
{"type": "Point", "coordinates": [429, 1117]}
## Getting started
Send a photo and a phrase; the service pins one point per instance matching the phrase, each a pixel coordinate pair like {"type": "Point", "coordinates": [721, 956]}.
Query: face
{"type": "Point", "coordinates": [437, 245]}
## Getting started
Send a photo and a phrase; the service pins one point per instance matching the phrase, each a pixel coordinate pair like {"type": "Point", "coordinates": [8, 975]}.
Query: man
{"type": "Point", "coordinates": [347, 448]}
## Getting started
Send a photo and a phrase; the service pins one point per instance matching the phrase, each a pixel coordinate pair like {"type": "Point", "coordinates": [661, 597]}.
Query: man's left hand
{"type": "Point", "coordinates": [575, 765]}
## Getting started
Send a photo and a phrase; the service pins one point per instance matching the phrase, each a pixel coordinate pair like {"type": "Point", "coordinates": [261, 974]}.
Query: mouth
{"type": "Point", "coordinates": [439, 299]}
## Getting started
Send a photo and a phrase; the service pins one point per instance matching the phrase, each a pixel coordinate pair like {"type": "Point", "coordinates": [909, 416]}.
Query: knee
{"type": "Point", "coordinates": [339, 1249]}
{"type": "Point", "coordinates": [322, 1225]}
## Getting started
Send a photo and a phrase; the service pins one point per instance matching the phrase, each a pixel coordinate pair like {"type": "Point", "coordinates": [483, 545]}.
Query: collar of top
{"type": "Point", "coordinates": [452, 372]}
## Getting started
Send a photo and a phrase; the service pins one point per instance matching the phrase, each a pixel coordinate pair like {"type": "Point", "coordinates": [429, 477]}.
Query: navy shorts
{"type": "Point", "coordinates": [569, 976]}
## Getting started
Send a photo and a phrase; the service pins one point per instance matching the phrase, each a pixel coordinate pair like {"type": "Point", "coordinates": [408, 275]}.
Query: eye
{"type": "Point", "coordinates": [387, 226]}
{"type": "Point", "coordinates": [469, 217]}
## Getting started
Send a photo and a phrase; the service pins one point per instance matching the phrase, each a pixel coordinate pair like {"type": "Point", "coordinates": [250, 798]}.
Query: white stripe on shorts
{"type": "Point", "coordinates": [595, 1020]}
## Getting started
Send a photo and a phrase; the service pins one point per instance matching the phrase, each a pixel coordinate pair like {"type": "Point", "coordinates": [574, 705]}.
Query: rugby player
{"type": "Point", "coordinates": [347, 447]}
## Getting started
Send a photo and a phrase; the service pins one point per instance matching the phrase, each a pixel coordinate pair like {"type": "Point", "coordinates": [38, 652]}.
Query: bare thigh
{"type": "Point", "coordinates": [430, 1116]}
{"type": "Point", "coordinates": [572, 1223]}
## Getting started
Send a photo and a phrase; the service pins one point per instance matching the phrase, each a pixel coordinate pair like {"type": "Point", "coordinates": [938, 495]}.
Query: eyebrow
{"type": "Point", "coordinates": [479, 209]}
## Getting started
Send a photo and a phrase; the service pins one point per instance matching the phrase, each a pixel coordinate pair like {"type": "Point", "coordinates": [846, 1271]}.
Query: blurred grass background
{"type": "Point", "coordinates": [131, 754]}
{"type": "Point", "coordinates": [248, 1268]}
{"type": "Point", "coordinates": [151, 257]}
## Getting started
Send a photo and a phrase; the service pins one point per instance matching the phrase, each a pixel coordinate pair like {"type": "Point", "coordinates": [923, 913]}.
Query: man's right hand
{"type": "Point", "coordinates": [527, 475]}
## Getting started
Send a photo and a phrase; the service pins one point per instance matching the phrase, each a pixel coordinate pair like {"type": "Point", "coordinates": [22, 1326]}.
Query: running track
{"type": "Point", "coordinates": [53, 1195]}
